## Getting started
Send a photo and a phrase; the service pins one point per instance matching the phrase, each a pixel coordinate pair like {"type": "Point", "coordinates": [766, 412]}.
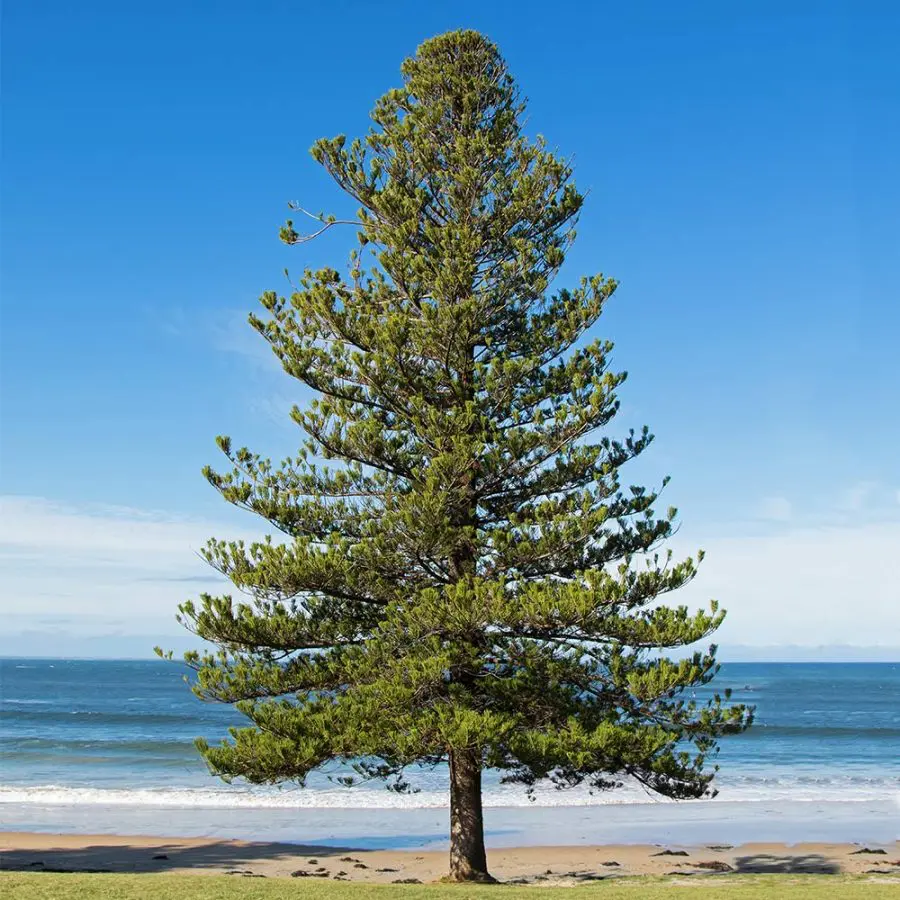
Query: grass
{"type": "Point", "coordinates": [58, 886]}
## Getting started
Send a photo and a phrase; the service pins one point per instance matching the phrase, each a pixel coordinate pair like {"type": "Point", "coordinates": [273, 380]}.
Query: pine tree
{"type": "Point", "coordinates": [461, 576]}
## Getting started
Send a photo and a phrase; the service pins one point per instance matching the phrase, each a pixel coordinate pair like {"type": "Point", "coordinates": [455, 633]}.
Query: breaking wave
{"type": "Point", "coordinates": [748, 789]}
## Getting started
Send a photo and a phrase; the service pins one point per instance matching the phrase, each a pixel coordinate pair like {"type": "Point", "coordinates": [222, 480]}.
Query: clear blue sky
{"type": "Point", "coordinates": [744, 188]}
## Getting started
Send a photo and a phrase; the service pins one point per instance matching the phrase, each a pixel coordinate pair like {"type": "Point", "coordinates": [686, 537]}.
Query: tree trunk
{"type": "Point", "coordinates": [468, 861]}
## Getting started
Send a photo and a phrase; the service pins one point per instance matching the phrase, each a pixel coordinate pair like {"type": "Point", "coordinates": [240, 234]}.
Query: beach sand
{"type": "Point", "coordinates": [541, 865]}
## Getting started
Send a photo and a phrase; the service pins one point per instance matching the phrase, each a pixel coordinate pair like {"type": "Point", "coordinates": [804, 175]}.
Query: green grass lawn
{"type": "Point", "coordinates": [53, 886]}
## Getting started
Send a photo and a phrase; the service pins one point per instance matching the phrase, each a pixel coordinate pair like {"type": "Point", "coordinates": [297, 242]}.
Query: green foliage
{"type": "Point", "coordinates": [461, 567]}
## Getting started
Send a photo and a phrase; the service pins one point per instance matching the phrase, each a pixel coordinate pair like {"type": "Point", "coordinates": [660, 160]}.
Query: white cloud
{"type": "Point", "coordinates": [276, 408]}
{"type": "Point", "coordinates": [859, 496]}
{"type": "Point", "coordinates": [100, 560]}
{"type": "Point", "coordinates": [105, 570]}
{"type": "Point", "coordinates": [803, 585]}
{"type": "Point", "coordinates": [234, 334]}
{"type": "Point", "coordinates": [777, 509]}
{"type": "Point", "coordinates": [33, 523]}
{"type": "Point", "coordinates": [226, 331]}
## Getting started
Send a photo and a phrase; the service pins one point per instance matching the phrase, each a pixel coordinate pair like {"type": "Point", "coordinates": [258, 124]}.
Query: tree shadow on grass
{"type": "Point", "coordinates": [810, 864]}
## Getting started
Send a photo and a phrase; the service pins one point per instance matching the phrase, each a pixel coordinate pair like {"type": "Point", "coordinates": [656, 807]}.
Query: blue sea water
{"type": "Point", "coordinates": [107, 746]}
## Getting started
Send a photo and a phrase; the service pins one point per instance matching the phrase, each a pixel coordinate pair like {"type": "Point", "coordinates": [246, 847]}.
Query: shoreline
{"type": "Point", "coordinates": [30, 851]}
{"type": "Point", "coordinates": [697, 824]}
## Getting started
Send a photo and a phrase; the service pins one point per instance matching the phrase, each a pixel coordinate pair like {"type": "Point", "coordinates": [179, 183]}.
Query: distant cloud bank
{"type": "Point", "coordinates": [815, 581]}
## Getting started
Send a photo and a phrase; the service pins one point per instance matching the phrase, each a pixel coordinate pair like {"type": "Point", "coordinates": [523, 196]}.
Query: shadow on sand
{"type": "Point", "coordinates": [811, 864]}
{"type": "Point", "coordinates": [163, 856]}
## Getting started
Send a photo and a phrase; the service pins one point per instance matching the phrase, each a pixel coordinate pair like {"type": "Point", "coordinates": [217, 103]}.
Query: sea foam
{"type": "Point", "coordinates": [758, 791]}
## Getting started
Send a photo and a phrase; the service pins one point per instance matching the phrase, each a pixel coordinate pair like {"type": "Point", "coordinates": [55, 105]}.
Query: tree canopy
{"type": "Point", "coordinates": [461, 575]}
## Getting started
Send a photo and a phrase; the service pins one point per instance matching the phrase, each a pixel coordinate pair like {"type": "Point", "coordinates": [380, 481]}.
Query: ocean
{"type": "Point", "coordinates": [106, 746]}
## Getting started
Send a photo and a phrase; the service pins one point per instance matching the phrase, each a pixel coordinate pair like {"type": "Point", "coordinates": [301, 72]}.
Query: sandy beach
{"type": "Point", "coordinates": [540, 865]}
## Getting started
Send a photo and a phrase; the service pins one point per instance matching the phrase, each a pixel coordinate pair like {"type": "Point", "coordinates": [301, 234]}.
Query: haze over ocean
{"type": "Point", "coordinates": [106, 745]}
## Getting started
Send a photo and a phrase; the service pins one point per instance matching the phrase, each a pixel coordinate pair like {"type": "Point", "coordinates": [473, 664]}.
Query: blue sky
{"type": "Point", "coordinates": [741, 163]}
